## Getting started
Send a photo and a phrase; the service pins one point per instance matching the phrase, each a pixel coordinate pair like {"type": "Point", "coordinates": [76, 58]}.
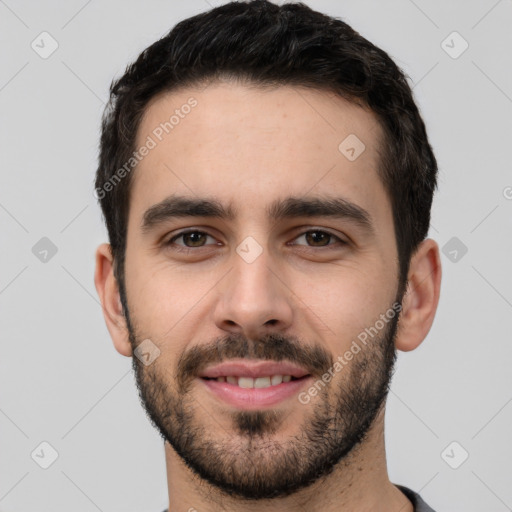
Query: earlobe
{"type": "Point", "coordinates": [108, 291]}
{"type": "Point", "coordinates": [421, 298]}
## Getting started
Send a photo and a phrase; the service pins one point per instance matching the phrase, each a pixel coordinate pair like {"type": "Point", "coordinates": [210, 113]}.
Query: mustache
{"type": "Point", "coordinates": [276, 347]}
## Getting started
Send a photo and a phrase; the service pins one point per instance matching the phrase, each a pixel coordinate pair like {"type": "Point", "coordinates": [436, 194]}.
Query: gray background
{"type": "Point", "coordinates": [61, 381]}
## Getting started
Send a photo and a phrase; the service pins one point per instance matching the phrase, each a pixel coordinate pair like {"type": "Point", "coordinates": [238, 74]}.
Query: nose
{"type": "Point", "coordinates": [254, 299]}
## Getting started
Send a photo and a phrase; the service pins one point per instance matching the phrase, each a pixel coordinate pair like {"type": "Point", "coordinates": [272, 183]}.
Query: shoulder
{"type": "Point", "coordinates": [416, 500]}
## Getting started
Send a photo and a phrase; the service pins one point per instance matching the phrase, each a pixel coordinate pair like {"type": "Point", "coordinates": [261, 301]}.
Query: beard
{"type": "Point", "coordinates": [248, 460]}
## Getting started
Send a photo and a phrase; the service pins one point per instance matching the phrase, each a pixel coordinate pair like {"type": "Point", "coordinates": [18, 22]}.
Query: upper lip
{"type": "Point", "coordinates": [253, 369]}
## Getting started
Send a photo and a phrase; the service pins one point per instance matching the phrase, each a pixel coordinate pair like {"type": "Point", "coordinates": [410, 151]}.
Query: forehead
{"type": "Point", "coordinates": [248, 146]}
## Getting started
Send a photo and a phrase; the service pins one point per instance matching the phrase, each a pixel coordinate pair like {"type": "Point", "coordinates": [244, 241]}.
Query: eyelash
{"type": "Point", "coordinates": [185, 249]}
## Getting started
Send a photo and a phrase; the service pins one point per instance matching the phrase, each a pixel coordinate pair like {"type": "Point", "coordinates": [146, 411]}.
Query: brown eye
{"type": "Point", "coordinates": [191, 239]}
{"type": "Point", "coordinates": [318, 238]}
{"type": "Point", "coordinates": [194, 239]}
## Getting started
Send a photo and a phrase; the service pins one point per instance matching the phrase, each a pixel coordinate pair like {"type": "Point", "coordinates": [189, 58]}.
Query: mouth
{"type": "Point", "coordinates": [254, 385]}
{"type": "Point", "coordinates": [259, 382]}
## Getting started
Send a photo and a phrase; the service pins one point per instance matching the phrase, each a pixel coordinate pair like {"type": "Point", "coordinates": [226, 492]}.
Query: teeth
{"type": "Point", "coordinates": [246, 382]}
{"type": "Point", "coordinates": [262, 382]}
{"type": "Point", "coordinates": [259, 382]}
{"type": "Point", "coordinates": [276, 379]}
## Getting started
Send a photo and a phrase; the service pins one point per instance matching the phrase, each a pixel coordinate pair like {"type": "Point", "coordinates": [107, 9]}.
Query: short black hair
{"type": "Point", "coordinates": [263, 44]}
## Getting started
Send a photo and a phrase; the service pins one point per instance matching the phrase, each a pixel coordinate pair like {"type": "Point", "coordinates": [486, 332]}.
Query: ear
{"type": "Point", "coordinates": [420, 300]}
{"type": "Point", "coordinates": [108, 291]}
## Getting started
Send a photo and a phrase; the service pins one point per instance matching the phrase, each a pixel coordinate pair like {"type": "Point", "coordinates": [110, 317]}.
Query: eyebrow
{"type": "Point", "coordinates": [176, 206]}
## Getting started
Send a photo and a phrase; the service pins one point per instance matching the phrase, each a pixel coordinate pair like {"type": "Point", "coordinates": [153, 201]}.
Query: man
{"type": "Point", "coordinates": [266, 181]}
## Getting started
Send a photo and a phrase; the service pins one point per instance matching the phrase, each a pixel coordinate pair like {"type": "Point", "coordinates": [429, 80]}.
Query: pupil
{"type": "Point", "coordinates": [316, 235]}
{"type": "Point", "coordinates": [192, 235]}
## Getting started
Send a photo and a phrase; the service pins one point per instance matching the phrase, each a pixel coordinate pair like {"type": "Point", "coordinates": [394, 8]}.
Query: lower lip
{"type": "Point", "coordinates": [255, 398]}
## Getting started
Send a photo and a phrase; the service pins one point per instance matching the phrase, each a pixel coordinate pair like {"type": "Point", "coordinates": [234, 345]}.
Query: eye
{"type": "Point", "coordinates": [319, 238]}
{"type": "Point", "coordinates": [192, 239]}
{"type": "Point", "coordinates": [195, 239]}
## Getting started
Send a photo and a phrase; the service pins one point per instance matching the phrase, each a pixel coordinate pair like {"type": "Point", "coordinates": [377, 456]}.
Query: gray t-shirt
{"type": "Point", "coordinates": [414, 498]}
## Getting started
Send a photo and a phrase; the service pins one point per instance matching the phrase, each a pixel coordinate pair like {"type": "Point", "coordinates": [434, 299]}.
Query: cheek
{"type": "Point", "coordinates": [167, 303]}
{"type": "Point", "coordinates": [344, 300]}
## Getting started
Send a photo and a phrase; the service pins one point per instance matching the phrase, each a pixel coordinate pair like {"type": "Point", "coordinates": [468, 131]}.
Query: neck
{"type": "Point", "coordinates": [359, 482]}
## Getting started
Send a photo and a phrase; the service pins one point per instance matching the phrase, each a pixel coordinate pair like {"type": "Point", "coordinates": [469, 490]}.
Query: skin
{"type": "Point", "coordinates": [249, 147]}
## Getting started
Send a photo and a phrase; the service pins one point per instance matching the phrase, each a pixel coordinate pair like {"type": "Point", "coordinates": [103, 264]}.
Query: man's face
{"type": "Point", "coordinates": [290, 286]}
